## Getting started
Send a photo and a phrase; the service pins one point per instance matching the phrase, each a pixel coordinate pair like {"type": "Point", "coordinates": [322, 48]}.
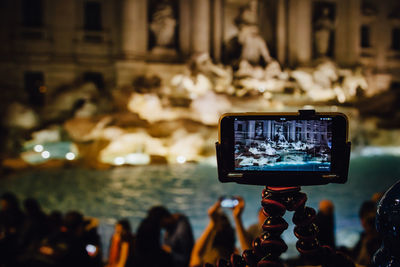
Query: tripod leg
{"type": "Point", "coordinates": [269, 246]}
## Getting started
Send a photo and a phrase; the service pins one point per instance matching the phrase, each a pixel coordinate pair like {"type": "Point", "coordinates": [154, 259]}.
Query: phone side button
{"type": "Point", "coordinates": [330, 176]}
{"type": "Point", "coordinates": [235, 175]}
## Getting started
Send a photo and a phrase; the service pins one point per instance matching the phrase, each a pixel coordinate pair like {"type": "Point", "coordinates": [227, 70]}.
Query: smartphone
{"type": "Point", "coordinates": [283, 149]}
{"type": "Point", "coordinates": [229, 202]}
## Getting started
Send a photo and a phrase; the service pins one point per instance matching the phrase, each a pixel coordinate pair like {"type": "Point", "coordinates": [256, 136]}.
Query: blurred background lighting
{"type": "Point", "coordinates": [181, 159]}
{"type": "Point", "coordinates": [38, 148]}
{"type": "Point", "coordinates": [119, 161]}
{"type": "Point", "coordinates": [45, 154]}
{"type": "Point", "coordinates": [70, 156]}
{"type": "Point", "coordinates": [43, 89]}
{"type": "Point", "coordinates": [137, 159]}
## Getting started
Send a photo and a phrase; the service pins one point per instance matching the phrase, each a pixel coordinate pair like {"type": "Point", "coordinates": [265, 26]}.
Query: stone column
{"type": "Point", "coordinates": [342, 25]}
{"type": "Point", "coordinates": [304, 31]}
{"type": "Point", "coordinates": [134, 29]}
{"type": "Point", "coordinates": [292, 126]}
{"type": "Point", "coordinates": [252, 129]}
{"type": "Point", "coordinates": [62, 47]}
{"type": "Point", "coordinates": [184, 27]}
{"type": "Point", "coordinates": [353, 33]}
{"type": "Point", "coordinates": [63, 31]}
{"type": "Point", "coordinates": [269, 129]}
{"type": "Point", "coordinates": [292, 18]}
{"type": "Point", "coordinates": [304, 131]}
{"type": "Point", "coordinates": [383, 36]}
{"type": "Point", "coordinates": [281, 32]}
{"type": "Point", "coordinates": [217, 29]}
{"type": "Point", "coordinates": [201, 26]}
{"type": "Point", "coordinates": [300, 30]}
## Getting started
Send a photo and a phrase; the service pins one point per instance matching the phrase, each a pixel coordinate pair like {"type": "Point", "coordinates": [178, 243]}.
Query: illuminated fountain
{"type": "Point", "coordinates": [176, 122]}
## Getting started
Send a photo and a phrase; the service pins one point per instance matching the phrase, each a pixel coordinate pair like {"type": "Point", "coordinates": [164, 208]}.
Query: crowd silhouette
{"type": "Point", "coordinates": [31, 238]}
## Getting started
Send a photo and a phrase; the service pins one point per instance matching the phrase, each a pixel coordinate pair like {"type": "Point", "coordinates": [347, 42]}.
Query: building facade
{"type": "Point", "coordinates": [47, 44]}
{"type": "Point", "coordinates": [310, 132]}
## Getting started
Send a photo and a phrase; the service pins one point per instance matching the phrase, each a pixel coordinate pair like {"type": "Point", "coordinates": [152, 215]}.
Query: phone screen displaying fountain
{"type": "Point", "coordinates": [283, 145]}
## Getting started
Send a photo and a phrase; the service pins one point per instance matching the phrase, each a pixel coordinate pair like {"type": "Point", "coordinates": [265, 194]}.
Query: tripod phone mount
{"type": "Point", "coordinates": [282, 192]}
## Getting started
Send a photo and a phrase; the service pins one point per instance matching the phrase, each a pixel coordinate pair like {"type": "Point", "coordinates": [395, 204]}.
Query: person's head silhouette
{"type": "Point", "coordinates": [388, 226]}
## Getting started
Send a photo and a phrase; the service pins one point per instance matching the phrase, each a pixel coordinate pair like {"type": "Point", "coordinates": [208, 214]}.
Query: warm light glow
{"type": "Point", "coordinates": [181, 159]}
{"type": "Point", "coordinates": [70, 156]}
{"type": "Point", "coordinates": [46, 154]}
{"type": "Point", "coordinates": [137, 159]}
{"type": "Point", "coordinates": [371, 151]}
{"type": "Point", "coordinates": [119, 161]}
{"type": "Point", "coordinates": [43, 89]}
{"type": "Point", "coordinates": [38, 148]}
{"type": "Point", "coordinates": [307, 107]}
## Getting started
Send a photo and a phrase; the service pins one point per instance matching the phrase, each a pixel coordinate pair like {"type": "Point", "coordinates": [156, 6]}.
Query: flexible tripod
{"type": "Point", "coordinates": [268, 247]}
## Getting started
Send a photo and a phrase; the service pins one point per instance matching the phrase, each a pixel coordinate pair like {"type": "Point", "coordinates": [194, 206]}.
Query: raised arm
{"type": "Point", "coordinates": [237, 211]}
{"type": "Point", "coordinates": [124, 254]}
{"type": "Point", "coordinates": [201, 243]}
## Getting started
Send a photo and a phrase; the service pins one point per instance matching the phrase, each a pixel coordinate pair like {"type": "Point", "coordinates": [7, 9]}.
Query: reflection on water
{"type": "Point", "coordinates": [190, 189]}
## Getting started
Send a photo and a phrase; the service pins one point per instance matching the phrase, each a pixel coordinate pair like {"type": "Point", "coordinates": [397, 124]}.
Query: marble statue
{"type": "Point", "coordinates": [257, 70]}
{"type": "Point", "coordinates": [279, 137]}
{"type": "Point", "coordinates": [248, 14]}
{"type": "Point", "coordinates": [220, 76]}
{"type": "Point", "coordinates": [259, 132]}
{"type": "Point", "coordinates": [204, 76]}
{"type": "Point", "coordinates": [163, 25]}
{"type": "Point", "coordinates": [256, 67]}
{"type": "Point", "coordinates": [324, 27]}
{"type": "Point", "coordinates": [254, 46]}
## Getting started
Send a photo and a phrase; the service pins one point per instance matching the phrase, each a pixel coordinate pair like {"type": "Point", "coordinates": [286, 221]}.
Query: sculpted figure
{"type": "Point", "coordinates": [204, 76]}
{"type": "Point", "coordinates": [324, 27]}
{"type": "Point", "coordinates": [163, 25]}
{"type": "Point", "coordinates": [254, 46]}
{"type": "Point", "coordinates": [248, 14]}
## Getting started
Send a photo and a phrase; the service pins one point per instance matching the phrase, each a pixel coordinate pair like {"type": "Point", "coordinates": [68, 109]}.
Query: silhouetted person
{"type": "Point", "coordinates": [122, 245]}
{"type": "Point", "coordinates": [325, 221]}
{"type": "Point", "coordinates": [148, 251]}
{"type": "Point", "coordinates": [92, 240]}
{"type": "Point", "coordinates": [216, 242]}
{"type": "Point", "coordinates": [246, 237]}
{"type": "Point", "coordinates": [55, 220]}
{"type": "Point", "coordinates": [388, 226]}
{"type": "Point", "coordinates": [178, 239]}
{"type": "Point", "coordinates": [67, 248]}
{"type": "Point", "coordinates": [33, 230]}
{"type": "Point", "coordinates": [370, 240]}
{"type": "Point", "coordinates": [255, 230]}
{"type": "Point", "coordinates": [377, 196]}
{"type": "Point", "coordinates": [35, 226]}
{"type": "Point", "coordinates": [11, 216]}
{"type": "Point", "coordinates": [11, 221]}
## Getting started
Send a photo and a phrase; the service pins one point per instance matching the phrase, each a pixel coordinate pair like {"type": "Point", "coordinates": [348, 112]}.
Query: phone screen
{"type": "Point", "coordinates": [283, 145]}
{"type": "Point", "coordinates": [91, 249]}
{"type": "Point", "coordinates": [229, 202]}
